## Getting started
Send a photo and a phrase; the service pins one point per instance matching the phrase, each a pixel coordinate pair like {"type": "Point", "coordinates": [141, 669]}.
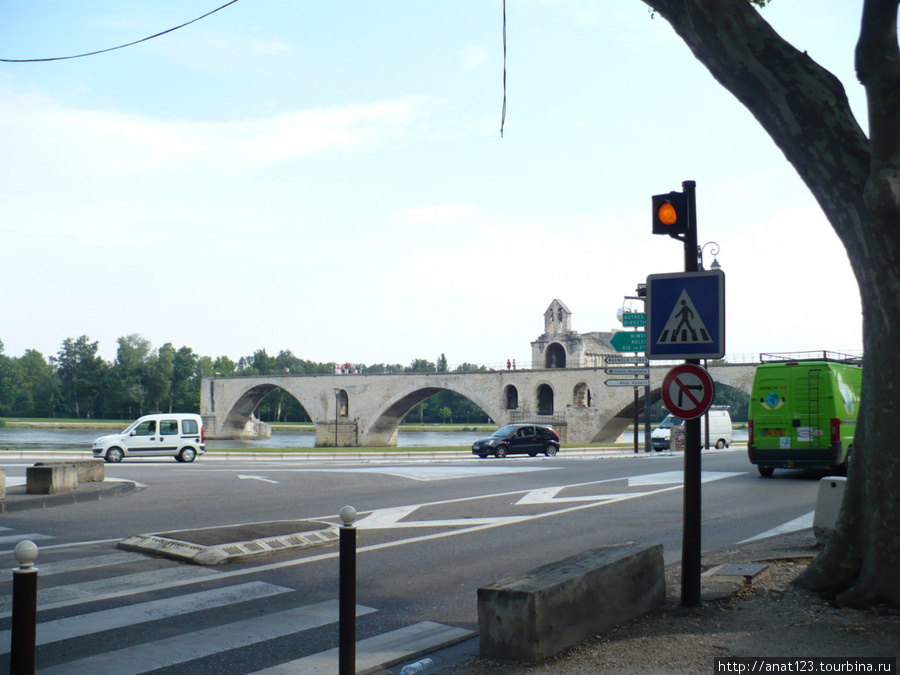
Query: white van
{"type": "Point", "coordinates": [178, 435]}
{"type": "Point", "coordinates": [720, 432]}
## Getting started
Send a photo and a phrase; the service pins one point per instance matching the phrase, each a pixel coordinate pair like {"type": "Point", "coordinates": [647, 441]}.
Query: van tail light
{"type": "Point", "coordinates": [750, 432]}
{"type": "Point", "coordinates": [835, 430]}
{"type": "Point", "coordinates": [202, 435]}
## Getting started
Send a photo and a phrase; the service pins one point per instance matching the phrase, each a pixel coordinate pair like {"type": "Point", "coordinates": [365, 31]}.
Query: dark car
{"type": "Point", "coordinates": [512, 439]}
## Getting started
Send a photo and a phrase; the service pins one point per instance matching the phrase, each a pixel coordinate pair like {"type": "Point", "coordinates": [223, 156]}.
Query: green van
{"type": "Point", "coordinates": [803, 411]}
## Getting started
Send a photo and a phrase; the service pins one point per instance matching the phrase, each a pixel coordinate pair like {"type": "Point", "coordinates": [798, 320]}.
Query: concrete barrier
{"type": "Point", "coordinates": [828, 506]}
{"type": "Point", "coordinates": [51, 480]}
{"type": "Point", "coordinates": [2, 483]}
{"type": "Point", "coordinates": [534, 615]}
{"type": "Point", "coordinates": [89, 470]}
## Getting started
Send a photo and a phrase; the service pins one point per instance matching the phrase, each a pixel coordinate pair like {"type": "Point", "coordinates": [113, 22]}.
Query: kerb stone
{"type": "Point", "coordinates": [51, 480]}
{"type": "Point", "coordinates": [89, 470]}
{"type": "Point", "coordinates": [535, 615]}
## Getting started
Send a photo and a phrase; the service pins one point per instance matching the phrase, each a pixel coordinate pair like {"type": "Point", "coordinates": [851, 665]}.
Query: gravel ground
{"type": "Point", "coordinates": [767, 617]}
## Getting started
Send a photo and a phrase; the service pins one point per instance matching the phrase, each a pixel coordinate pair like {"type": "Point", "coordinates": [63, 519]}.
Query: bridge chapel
{"type": "Point", "coordinates": [561, 347]}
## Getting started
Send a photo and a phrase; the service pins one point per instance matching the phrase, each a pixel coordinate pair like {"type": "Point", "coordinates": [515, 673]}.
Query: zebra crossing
{"type": "Point", "coordinates": [106, 612]}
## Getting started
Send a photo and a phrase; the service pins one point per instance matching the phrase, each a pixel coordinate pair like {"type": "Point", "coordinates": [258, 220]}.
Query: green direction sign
{"type": "Point", "coordinates": [629, 341]}
{"type": "Point", "coordinates": [633, 319]}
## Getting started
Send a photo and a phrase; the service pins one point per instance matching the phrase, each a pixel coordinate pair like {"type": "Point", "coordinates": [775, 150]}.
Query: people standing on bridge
{"type": "Point", "coordinates": [514, 364]}
{"type": "Point", "coordinates": [508, 364]}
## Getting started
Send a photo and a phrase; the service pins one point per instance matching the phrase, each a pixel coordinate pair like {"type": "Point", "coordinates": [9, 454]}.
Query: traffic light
{"type": "Point", "coordinates": [670, 214]}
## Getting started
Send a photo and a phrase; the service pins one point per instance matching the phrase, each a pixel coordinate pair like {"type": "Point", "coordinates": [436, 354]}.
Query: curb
{"type": "Point", "coordinates": [29, 502]}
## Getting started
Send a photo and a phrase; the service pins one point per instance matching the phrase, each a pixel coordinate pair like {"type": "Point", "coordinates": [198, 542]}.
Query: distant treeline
{"type": "Point", "coordinates": [77, 383]}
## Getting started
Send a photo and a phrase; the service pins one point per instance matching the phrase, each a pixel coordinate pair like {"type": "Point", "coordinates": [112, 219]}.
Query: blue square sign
{"type": "Point", "coordinates": [686, 315]}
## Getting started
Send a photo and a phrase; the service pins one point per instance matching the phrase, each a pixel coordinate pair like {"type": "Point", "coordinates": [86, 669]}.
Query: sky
{"type": "Point", "coordinates": [330, 178]}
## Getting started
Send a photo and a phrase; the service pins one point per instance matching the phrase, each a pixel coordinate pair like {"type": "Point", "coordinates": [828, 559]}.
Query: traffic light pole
{"type": "Point", "coordinates": [690, 544]}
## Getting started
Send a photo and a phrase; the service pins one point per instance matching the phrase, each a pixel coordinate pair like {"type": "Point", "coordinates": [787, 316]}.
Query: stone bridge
{"type": "Point", "coordinates": [365, 410]}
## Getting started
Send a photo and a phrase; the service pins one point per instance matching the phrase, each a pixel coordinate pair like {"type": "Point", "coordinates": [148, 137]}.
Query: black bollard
{"type": "Point", "coordinates": [24, 610]}
{"type": "Point", "coordinates": [347, 600]}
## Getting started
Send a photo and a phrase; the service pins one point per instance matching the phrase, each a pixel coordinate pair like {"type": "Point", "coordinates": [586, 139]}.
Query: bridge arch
{"type": "Point", "coordinates": [239, 420]}
{"type": "Point", "coordinates": [387, 418]}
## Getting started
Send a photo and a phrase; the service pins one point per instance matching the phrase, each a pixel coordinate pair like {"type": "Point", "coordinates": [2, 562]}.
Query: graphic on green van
{"type": "Point", "coordinates": [847, 394]}
{"type": "Point", "coordinates": [772, 401]}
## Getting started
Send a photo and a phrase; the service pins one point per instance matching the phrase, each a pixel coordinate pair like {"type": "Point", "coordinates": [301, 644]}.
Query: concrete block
{"type": "Point", "coordinates": [2, 483]}
{"type": "Point", "coordinates": [828, 506]}
{"type": "Point", "coordinates": [51, 480]}
{"type": "Point", "coordinates": [534, 615]}
{"type": "Point", "coordinates": [89, 470]}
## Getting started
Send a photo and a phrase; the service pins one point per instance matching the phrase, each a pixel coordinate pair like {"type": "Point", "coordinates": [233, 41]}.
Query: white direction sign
{"type": "Point", "coordinates": [626, 359]}
{"type": "Point", "coordinates": [628, 383]}
{"type": "Point", "coordinates": [632, 370]}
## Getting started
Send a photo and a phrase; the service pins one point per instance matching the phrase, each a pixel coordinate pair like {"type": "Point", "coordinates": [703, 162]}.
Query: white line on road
{"type": "Point", "coordinates": [803, 522]}
{"type": "Point", "coordinates": [123, 617]}
{"type": "Point", "coordinates": [193, 645]}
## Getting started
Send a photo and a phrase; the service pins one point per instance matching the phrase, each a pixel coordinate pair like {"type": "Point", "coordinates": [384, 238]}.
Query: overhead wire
{"type": "Point", "coordinates": [110, 49]}
{"type": "Point", "coordinates": [503, 114]}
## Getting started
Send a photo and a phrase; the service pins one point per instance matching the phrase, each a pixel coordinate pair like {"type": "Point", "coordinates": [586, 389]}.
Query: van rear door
{"type": "Point", "coordinates": [812, 414]}
{"type": "Point", "coordinates": [770, 412]}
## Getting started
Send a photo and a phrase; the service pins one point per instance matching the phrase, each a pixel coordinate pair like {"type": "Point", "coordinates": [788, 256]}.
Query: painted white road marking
{"type": "Point", "coordinates": [259, 478]}
{"type": "Point", "coordinates": [803, 522]}
{"type": "Point", "coordinates": [123, 617]}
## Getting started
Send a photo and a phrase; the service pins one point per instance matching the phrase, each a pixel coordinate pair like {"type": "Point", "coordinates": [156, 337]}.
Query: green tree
{"type": "Point", "coordinates": [130, 373]}
{"type": "Point", "coordinates": [856, 181]}
{"type": "Point", "coordinates": [445, 412]}
{"type": "Point", "coordinates": [186, 378]}
{"type": "Point", "coordinates": [442, 366]}
{"type": "Point", "coordinates": [40, 383]}
{"type": "Point", "coordinates": [421, 366]}
{"type": "Point", "coordinates": [81, 374]}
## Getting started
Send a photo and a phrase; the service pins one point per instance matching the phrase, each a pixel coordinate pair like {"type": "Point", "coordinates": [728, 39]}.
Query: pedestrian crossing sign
{"type": "Point", "coordinates": [686, 315]}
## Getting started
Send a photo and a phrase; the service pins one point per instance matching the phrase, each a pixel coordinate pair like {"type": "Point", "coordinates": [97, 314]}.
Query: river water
{"type": "Point", "coordinates": [57, 439]}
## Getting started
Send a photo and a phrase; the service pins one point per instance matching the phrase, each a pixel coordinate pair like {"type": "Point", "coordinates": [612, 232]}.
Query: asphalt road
{"type": "Point", "coordinates": [430, 532]}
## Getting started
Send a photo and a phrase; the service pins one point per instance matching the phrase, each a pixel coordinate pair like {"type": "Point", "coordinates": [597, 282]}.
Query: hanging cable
{"type": "Point", "coordinates": [101, 51]}
{"type": "Point", "coordinates": [503, 114]}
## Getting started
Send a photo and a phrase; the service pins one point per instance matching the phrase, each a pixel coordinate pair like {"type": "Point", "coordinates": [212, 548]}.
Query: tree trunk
{"type": "Point", "coordinates": [804, 109]}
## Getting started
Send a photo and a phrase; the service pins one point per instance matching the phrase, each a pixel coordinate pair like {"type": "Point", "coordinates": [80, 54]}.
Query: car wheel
{"type": "Point", "coordinates": [483, 456]}
{"type": "Point", "coordinates": [186, 455]}
{"type": "Point", "coordinates": [720, 444]}
{"type": "Point", "coordinates": [551, 450]}
{"type": "Point", "coordinates": [658, 449]}
{"type": "Point", "coordinates": [114, 455]}
{"type": "Point", "coordinates": [766, 471]}
{"type": "Point", "coordinates": [500, 452]}
{"type": "Point", "coordinates": [532, 453]}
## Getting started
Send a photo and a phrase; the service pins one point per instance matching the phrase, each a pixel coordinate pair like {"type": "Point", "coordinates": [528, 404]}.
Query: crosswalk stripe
{"type": "Point", "coordinates": [16, 538]}
{"type": "Point", "coordinates": [200, 643]}
{"type": "Point", "coordinates": [110, 587]}
{"type": "Point", "coordinates": [121, 617]}
{"type": "Point", "coordinates": [48, 569]}
{"type": "Point", "coordinates": [378, 651]}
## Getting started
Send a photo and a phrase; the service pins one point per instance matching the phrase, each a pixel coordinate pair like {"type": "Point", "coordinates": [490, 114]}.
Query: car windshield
{"type": "Point", "coordinates": [504, 431]}
{"type": "Point", "coordinates": [671, 421]}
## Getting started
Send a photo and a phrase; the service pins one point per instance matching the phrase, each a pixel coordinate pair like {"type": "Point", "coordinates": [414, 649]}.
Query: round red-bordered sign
{"type": "Point", "coordinates": [688, 391]}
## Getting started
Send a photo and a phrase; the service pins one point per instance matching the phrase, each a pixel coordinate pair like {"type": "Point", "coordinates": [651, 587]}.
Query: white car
{"type": "Point", "coordinates": [178, 435]}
